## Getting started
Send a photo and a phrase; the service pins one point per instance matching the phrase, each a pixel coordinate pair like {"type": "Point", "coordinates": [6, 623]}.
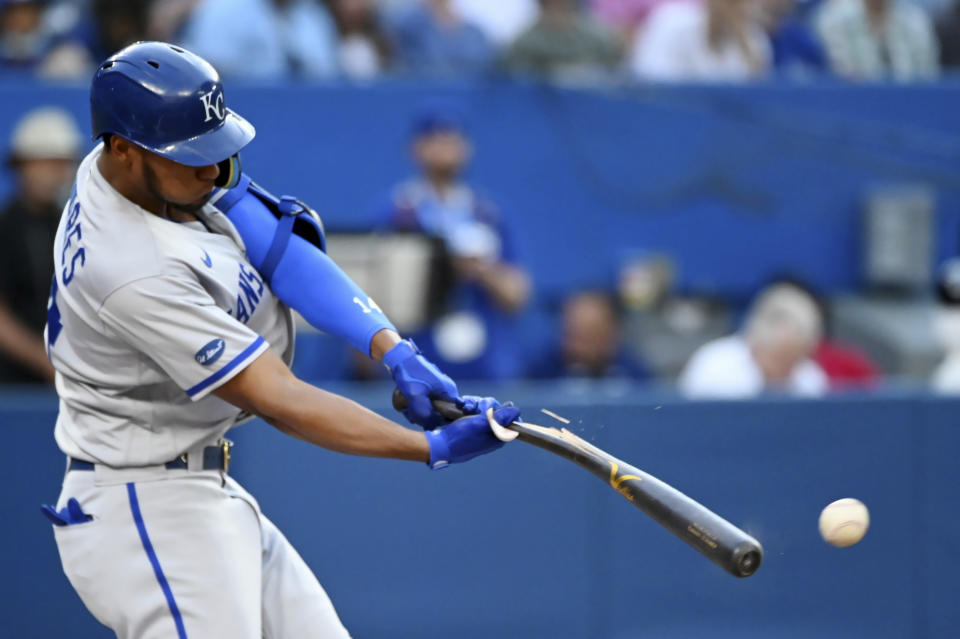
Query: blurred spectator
{"type": "Point", "coordinates": [946, 377]}
{"type": "Point", "coordinates": [43, 154]}
{"type": "Point", "coordinates": [473, 337]}
{"type": "Point", "coordinates": [772, 354]}
{"type": "Point", "coordinates": [116, 24]}
{"type": "Point", "coordinates": [877, 39]}
{"type": "Point", "coordinates": [166, 19]}
{"type": "Point", "coordinates": [91, 32]}
{"type": "Point", "coordinates": [846, 366]}
{"type": "Point", "coordinates": [709, 41]}
{"type": "Point", "coordinates": [591, 343]}
{"type": "Point", "coordinates": [564, 44]}
{"type": "Point", "coordinates": [33, 39]}
{"type": "Point", "coordinates": [501, 20]}
{"type": "Point", "coordinates": [363, 51]}
{"type": "Point", "coordinates": [948, 34]}
{"type": "Point", "coordinates": [23, 39]}
{"type": "Point", "coordinates": [264, 39]}
{"type": "Point", "coordinates": [433, 38]}
{"type": "Point", "coordinates": [796, 48]}
{"type": "Point", "coordinates": [626, 15]}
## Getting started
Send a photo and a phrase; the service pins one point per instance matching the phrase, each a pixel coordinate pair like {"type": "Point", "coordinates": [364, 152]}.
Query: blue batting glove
{"type": "Point", "coordinates": [419, 381]}
{"type": "Point", "coordinates": [474, 404]}
{"type": "Point", "coordinates": [467, 437]}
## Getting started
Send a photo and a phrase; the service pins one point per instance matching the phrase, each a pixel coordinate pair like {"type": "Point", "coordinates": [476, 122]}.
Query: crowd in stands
{"type": "Point", "coordinates": [561, 40]}
{"type": "Point", "coordinates": [782, 344]}
{"type": "Point", "coordinates": [43, 154]}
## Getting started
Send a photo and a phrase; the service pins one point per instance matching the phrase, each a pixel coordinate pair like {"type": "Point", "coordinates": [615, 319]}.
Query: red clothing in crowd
{"type": "Point", "coordinates": [845, 365]}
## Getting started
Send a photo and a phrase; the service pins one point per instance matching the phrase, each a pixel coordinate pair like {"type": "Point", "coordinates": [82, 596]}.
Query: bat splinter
{"type": "Point", "coordinates": [707, 532]}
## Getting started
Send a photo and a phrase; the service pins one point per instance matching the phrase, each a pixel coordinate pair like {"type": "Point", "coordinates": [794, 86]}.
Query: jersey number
{"type": "Point", "coordinates": [54, 325]}
{"type": "Point", "coordinates": [369, 307]}
{"type": "Point", "coordinates": [69, 268]}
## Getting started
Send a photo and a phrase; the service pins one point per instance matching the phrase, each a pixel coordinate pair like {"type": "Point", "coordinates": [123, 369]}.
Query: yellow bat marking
{"type": "Point", "coordinates": [616, 481]}
{"type": "Point", "coordinates": [566, 435]}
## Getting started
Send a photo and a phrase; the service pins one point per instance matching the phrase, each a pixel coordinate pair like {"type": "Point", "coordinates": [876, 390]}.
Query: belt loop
{"type": "Point", "coordinates": [225, 446]}
{"type": "Point", "coordinates": [194, 459]}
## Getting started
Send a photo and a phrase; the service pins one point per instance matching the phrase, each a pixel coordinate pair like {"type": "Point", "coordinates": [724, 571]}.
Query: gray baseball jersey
{"type": "Point", "coordinates": [147, 317]}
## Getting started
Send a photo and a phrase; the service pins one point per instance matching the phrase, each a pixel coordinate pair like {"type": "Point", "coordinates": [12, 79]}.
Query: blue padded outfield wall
{"type": "Point", "coordinates": [736, 183]}
{"type": "Point", "coordinates": [524, 544]}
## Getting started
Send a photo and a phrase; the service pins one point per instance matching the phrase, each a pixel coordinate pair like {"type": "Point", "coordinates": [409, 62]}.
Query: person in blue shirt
{"type": "Point", "coordinates": [473, 334]}
{"type": "Point", "coordinates": [590, 344]}
{"type": "Point", "coordinates": [431, 38]}
{"type": "Point", "coordinates": [264, 39]}
{"type": "Point", "coordinates": [797, 50]}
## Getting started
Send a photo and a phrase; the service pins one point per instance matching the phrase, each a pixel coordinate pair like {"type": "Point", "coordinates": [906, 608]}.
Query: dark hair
{"type": "Point", "coordinates": [611, 301]}
{"type": "Point", "coordinates": [437, 117]}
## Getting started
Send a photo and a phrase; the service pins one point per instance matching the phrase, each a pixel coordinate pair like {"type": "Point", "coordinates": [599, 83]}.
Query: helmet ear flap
{"type": "Point", "coordinates": [229, 172]}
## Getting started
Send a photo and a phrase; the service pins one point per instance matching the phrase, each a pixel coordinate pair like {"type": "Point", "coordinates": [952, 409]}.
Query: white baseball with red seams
{"type": "Point", "coordinates": [844, 522]}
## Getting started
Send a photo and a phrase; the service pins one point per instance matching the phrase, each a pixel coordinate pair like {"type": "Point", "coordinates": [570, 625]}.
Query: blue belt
{"type": "Point", "coordinates": [214, 458]}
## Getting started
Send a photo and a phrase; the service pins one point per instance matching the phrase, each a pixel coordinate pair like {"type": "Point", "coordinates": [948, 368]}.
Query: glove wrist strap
{"type": "Point", "coordinates": [439, 450]}
{"type": "Point", "coordinates": [402, 351]}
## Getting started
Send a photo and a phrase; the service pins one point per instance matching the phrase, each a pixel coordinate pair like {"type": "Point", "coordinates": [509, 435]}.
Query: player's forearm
{"type": "Point", "coordinates": [22, 345]}
{"type": "Point", "coordinates": [342, 425]}
{"type": "Point", "coordinates": [268, 389]}
{"type": "Point", "coordinates": [508, 285]}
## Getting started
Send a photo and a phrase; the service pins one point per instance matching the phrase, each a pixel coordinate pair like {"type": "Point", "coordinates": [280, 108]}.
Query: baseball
{"type": "Point", "coordinates": [844, 522]}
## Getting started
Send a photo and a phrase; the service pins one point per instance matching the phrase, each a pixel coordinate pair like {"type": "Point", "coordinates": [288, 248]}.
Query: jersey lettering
{"type": "Point", "coordinates": [54, 325]}
{"type": "Point", "coordinates": [68, 275]}
{"type": "Point", "coordinates": [73, 231]}
{"type": "Point", "coordinates": [250, 293]}
{"type": "Point", "coordinates": [74, 214]}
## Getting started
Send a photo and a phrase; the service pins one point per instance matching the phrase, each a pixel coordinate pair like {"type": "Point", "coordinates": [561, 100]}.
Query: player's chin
{"type": "Point", "coordinates": [194, 205]}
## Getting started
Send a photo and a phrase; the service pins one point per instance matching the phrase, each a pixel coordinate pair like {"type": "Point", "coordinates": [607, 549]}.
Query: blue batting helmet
{"type": "Point", "coordinates": [168, 101]}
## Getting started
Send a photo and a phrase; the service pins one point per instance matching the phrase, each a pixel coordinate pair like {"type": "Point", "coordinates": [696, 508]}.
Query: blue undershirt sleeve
{"type": "Point", "coordinates": [304, 278]}
{"type": "Point", "coordinates": [307, 280]}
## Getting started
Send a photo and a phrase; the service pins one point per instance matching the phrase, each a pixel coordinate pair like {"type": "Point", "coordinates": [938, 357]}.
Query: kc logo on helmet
{"type": "Point", "coordinates": [213, 105]}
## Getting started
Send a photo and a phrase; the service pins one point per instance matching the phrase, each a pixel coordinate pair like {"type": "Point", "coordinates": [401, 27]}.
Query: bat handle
{"type": "Point", "coordinates": [445, 407]}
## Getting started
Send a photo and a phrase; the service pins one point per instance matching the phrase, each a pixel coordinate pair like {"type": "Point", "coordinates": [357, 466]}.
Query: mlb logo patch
{"type": "Point", "coordinates": [211, 352]}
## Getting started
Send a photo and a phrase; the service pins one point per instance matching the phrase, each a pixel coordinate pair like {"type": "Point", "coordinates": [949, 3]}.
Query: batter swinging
{"type": "Point", "coordinates": [168, 325]}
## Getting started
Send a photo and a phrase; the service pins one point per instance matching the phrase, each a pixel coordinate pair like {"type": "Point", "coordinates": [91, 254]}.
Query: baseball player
{"type": "Point", "coordinates": [167, 328]}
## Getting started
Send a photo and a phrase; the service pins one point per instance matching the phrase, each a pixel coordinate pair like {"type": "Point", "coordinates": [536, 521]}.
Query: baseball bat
{"type": "Point", "coordinates": [707, 532]}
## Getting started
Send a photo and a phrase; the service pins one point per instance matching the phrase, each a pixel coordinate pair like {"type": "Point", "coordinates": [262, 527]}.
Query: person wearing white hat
{"type": "Point", "coordinates": [946, 326]}
{"type": "Point", "coordinates": [43, 153]}
{"type": "Point", "coordinates": [771, 354]}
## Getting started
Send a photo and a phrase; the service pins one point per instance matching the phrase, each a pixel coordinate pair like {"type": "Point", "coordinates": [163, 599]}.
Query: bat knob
{"type": "Point", "coordinates": [399, 400]}
{"type": "Point", "coordinates": [747, 560]}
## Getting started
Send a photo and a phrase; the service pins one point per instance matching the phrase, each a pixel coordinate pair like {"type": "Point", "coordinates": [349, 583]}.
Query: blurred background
{"type": "Point", "coordinates": [720, 236]}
